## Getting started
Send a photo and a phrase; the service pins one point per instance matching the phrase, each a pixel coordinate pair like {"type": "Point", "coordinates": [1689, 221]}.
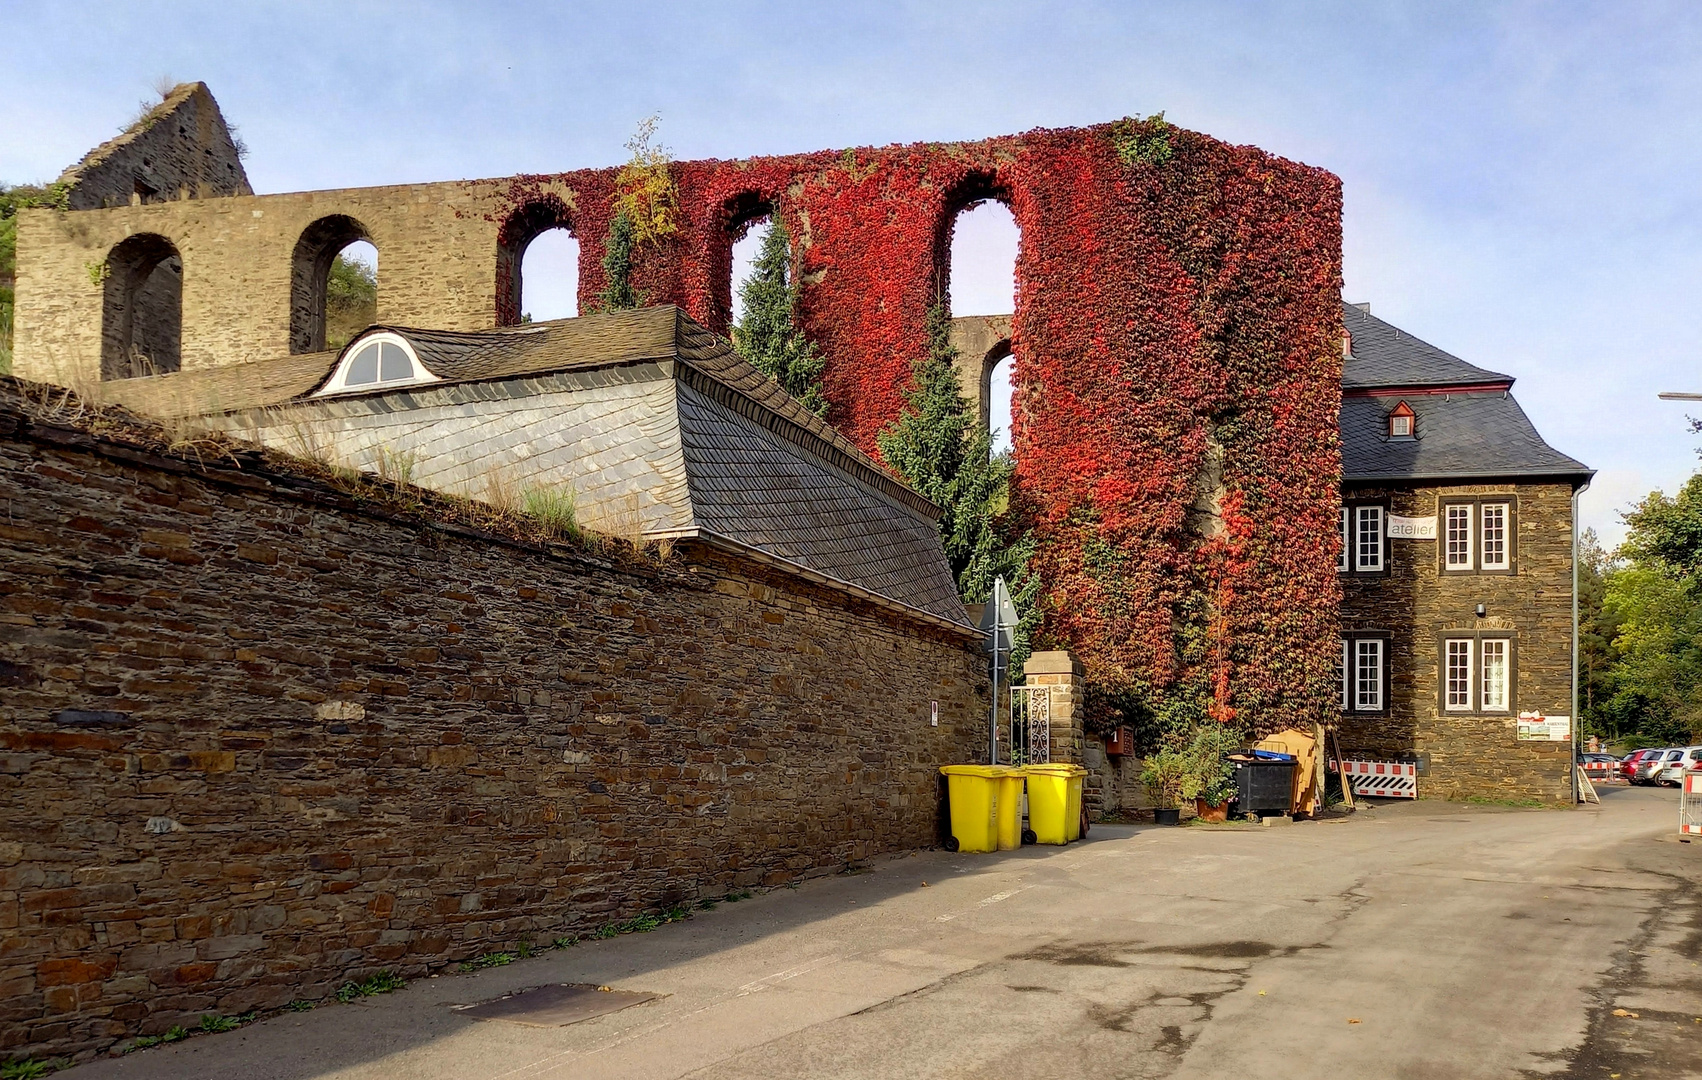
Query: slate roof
{"type": "Point", "coordinates": [764, 475]}
{"type": "Point", "coordinates": [750, 485]}
{"type": "Point", "coordinates": [1468, 425]}
{"type": "Point", "coordinates": [1385, 355]}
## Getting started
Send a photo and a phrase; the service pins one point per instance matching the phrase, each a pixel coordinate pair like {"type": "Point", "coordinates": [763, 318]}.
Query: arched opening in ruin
{"type": "Point", "coordinates": [537, 264]}
{"type": "Point", "coordinates": [1001, 384]}
{"type": "Point", "coordinates": [978, 262]}
{"type": "Point", "coordinates": [142, 309]}
{"type": "Point", "coordinates": [333, 284]}
{"type": "Point", "coordinates": [549, 277]}
{"type": "Point", "coordinates": [750, 219]}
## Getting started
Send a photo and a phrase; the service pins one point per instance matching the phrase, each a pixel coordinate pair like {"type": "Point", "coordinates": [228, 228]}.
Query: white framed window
{"type": "Point", "coordinates": [1457, 674]}
{"type": "Point", "coordinates": [1368, 546]}
{"type": "Point", "coordinates": [1346, 552]}
{"type": "Point", "coordinates": [1492, 532]}
{"type": "Point", "coordinates": [1457, 529]}
{"type": "Point", "coordinates": [1494, 655]}
{"type": "Point", "coordinates": [1363, 672]}
{"type": "Point", "coordinates": [1400, 427]}
{"type": "Point", "coordinates": [374, 362]}
{"type": "Point", "coordinates": [1368, 675]}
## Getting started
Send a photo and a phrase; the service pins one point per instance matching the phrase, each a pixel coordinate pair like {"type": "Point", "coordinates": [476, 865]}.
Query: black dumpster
{"type": "Point", "coordinates": [1264, 787]}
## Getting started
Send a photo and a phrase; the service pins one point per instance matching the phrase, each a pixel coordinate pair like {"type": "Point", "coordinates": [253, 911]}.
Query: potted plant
{"type": "Point", "coordinates": [1167, 777]}
{"type": "Point", "coordinates": [1213, 772]}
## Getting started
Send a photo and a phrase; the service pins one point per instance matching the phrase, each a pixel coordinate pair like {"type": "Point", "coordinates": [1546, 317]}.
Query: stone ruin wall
{"type": "Point", "coordinates": [256, 741]}
{"type": "Point", "coordinates": [1176, 337]}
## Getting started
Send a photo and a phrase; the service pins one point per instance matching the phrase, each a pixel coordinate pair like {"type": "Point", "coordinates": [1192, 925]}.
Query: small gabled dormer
{"type": "Point", "coordinates": [379, 360]}
{"type": "Point", "coordinates": [1403, 422]}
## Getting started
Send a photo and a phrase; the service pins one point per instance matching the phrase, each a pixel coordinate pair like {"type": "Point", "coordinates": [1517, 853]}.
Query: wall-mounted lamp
{"type": "Point", "coordinates": [1482, 611]}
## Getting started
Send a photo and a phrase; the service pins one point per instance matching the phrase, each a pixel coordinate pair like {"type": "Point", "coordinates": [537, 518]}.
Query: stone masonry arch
{"type": "Point", "coordinates": [525, 224]}
{"type": "Point", "coordinates": [310, 268]}
{"type": "Point", "coordinates": [142, 308]}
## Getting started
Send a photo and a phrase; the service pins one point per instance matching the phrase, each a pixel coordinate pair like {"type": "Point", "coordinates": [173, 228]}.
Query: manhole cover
{"type": "Point", "coordinates": [557, 1004]}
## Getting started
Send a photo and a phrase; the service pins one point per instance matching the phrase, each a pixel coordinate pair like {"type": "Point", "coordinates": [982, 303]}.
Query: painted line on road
{"type": "Point", "coordinates": [994, 899]}
{"type": "Point", "coordinates": [790, 973]}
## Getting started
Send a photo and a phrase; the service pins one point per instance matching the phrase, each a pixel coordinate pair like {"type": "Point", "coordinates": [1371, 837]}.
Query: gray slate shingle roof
{"type": "Point", "coordinates": [1385, 355]}
{"type": "Point", "coordinates": [1480, 434]}
{"type": "Point", "coordinates": [749, 484]}
{"type": "Point", "coordinates": [1477, 432]}
{"type": "Point", "coordinates": [762, 471]}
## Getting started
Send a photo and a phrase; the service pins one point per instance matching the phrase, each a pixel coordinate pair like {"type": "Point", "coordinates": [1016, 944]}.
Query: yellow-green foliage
{"type": "Point", "coordinates": [644, 188]}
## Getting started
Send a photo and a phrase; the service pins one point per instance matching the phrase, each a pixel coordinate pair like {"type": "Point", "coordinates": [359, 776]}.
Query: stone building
{"type": "Point", "coordinates": [1458, 529]}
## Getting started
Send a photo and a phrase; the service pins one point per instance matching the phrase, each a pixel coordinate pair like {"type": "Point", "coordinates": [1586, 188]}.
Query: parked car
{"type": "Point", "coordinates": [1628, 764]}
{"type": "Point", "coordinates": [1649, 769]}
{"type": "Point", "coordinates": [1689, 759]}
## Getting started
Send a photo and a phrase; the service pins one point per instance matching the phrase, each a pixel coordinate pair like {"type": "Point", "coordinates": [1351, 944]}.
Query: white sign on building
{"type": "Point", "coordinates": [1535, 727]}
{"type": "Point", "coordinates": [1405, 528]}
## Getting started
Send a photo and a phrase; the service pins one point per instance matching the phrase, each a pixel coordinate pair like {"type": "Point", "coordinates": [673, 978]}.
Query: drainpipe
{"type": "Point", "coordinates": [1576, 719]}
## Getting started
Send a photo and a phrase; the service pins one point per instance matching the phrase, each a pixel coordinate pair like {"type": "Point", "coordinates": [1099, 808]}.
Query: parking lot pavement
{"type": "Point", "coordinates": [1410, 940]}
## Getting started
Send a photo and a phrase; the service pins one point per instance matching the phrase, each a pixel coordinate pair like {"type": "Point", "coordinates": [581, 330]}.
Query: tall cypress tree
{"type": "Point", "coordinates": [767, 333]}
{"type": "Point", "coordinates": [618, 293]}
{"type": "Point", "coordinates": [935, 447]}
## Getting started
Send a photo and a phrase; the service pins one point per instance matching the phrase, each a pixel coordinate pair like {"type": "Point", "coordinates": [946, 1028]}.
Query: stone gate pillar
{"type": "Point", "coordinates": [1063, 674]}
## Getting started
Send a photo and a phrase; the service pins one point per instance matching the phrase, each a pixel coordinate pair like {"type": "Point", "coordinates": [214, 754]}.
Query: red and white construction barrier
{"type": "Point", "coordinates": [1599, 770]}
{"type": "Point", "coordinates": [1383, 779]}
{"type": "Point", "coordinates": [1690, 804]}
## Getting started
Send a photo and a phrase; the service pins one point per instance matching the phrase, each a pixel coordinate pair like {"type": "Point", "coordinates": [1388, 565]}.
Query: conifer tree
{"type": "Point", "coordinates": [767, 333]}
{"type": "Point", "coordinates": [618, 293]}
{"type": "Point", "coordinates": [933, 447]}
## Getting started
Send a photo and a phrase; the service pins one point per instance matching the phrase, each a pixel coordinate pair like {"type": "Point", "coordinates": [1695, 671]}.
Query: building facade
{"type": "Point", "coordinates": [1457, 541]}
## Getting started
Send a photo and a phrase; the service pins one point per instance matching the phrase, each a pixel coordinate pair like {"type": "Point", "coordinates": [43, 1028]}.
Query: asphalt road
{"type": "Point", "coordinates": [1410, 941]}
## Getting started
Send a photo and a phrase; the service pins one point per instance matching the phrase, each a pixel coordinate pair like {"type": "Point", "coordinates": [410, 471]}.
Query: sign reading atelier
{"type": "Point", "coordinates": [1405, 528]}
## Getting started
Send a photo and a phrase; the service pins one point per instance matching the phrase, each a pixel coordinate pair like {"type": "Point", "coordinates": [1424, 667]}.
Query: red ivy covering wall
{"type": "Point", "coordinates": [1177, 342]}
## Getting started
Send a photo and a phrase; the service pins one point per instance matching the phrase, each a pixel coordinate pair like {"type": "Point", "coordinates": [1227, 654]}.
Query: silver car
{"type": "Point", "coordinates": [1649, 769]}
{"type": "Point", "coordinates": [1688, 759]}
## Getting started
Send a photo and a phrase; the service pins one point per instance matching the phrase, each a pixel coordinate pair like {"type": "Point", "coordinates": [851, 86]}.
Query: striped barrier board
{"type": "Point", "coordinates": [1600, 770]}
{"type": "Point", "coordinates": [1383, 779]}
{"type": "Point", "coordinates": [1690, 805]}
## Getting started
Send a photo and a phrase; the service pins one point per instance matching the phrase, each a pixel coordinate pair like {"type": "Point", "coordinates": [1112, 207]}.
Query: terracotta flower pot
{"type": "Point", "coordinates": [1209, 813]}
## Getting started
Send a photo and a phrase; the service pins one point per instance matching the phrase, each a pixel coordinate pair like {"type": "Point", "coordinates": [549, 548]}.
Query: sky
{"type": "Point", "coordinates": [1521, 180]}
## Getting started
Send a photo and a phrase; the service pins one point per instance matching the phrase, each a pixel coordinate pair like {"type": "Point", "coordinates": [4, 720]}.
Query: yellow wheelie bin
{"type": "Point", "coordinates": [1010, 808]}
{"type": "Point", "coordinates": [984, 807]}
{"type": "Point", "coordinates": [1054, 802]}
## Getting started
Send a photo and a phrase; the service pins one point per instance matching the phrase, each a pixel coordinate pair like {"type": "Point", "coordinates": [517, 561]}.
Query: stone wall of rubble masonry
{"type": "Point", "coordinates": [256, 740]}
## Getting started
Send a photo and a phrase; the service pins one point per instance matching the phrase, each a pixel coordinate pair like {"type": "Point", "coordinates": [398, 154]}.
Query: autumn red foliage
{"type": "Point", "coordinates": [1177, 344]}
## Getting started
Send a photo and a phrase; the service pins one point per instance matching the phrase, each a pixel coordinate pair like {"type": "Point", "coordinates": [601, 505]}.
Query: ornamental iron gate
{"type": "Point", "coordinates": [1031, 725]}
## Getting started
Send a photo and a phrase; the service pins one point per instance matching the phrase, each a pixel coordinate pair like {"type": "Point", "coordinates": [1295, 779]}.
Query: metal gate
{"type": "Point", "coordinates": [1031, 724]}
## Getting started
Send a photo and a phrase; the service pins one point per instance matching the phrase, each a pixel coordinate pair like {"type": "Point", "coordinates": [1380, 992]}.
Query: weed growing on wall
{"type": "Point", "coordinates": [644, 188]}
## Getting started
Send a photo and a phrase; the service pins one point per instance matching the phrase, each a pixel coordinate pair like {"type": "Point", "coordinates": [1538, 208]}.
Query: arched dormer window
{"type": "Point", "coordinates": [1403, 423]}
{"type": "Point", "coordinates": [376, 362]}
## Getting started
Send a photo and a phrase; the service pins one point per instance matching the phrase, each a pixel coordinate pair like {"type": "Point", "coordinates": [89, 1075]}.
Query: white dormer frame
{"type": "Point", "coordinates": [339, 381]}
